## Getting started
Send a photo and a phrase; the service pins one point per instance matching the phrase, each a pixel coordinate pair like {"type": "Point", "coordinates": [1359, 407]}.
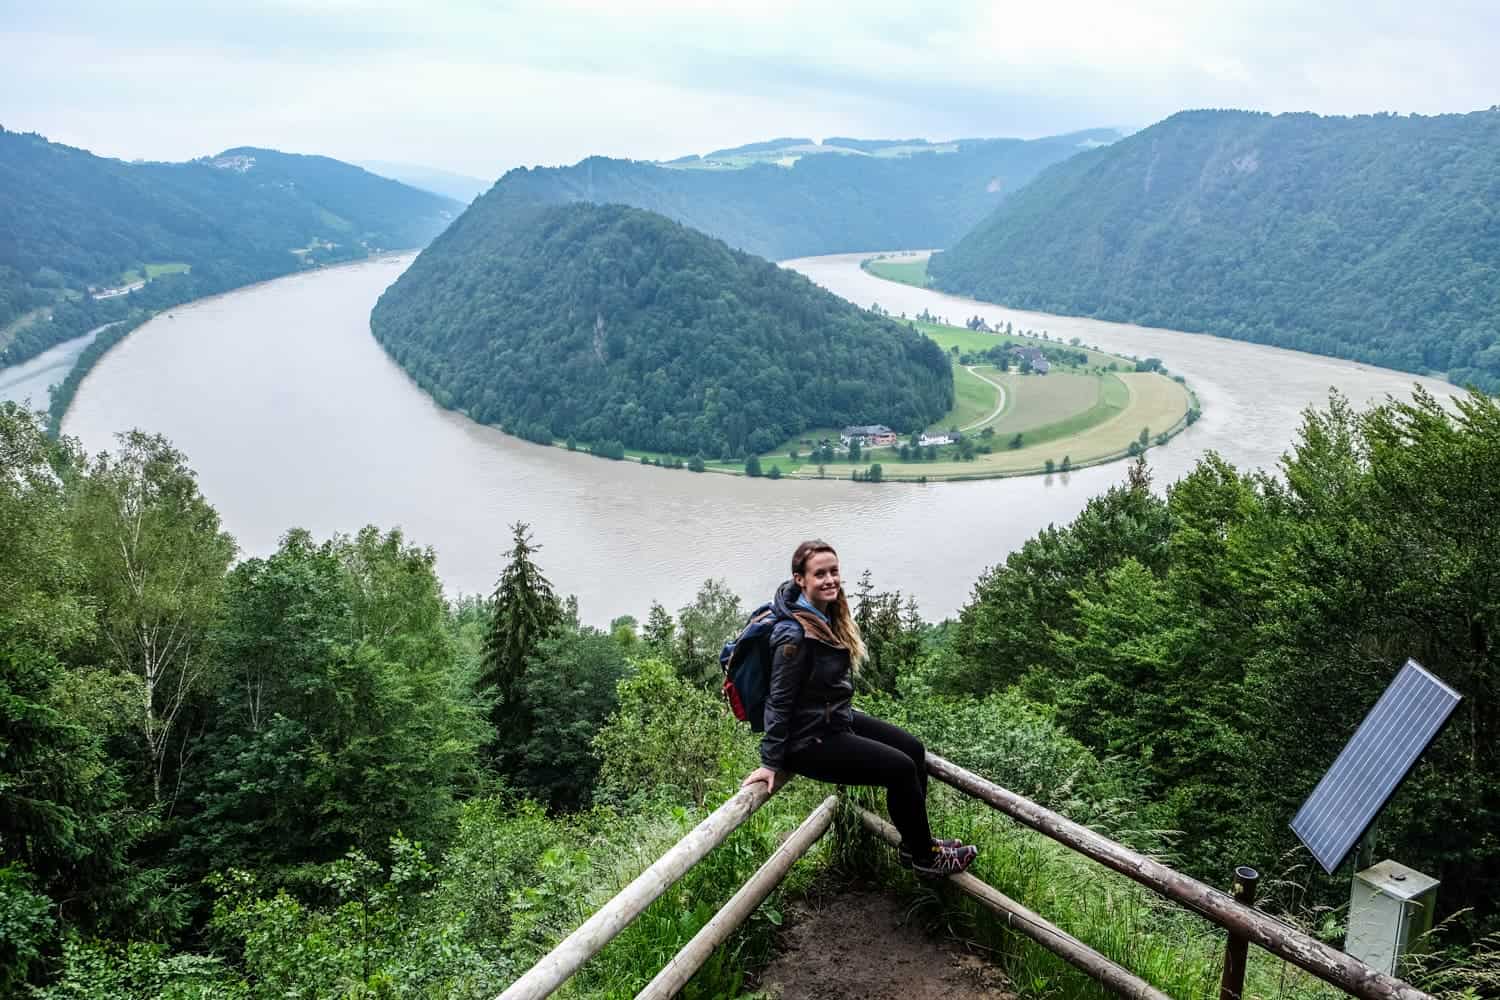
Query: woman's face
{"type": "Point", "coordinates": [819, 578]}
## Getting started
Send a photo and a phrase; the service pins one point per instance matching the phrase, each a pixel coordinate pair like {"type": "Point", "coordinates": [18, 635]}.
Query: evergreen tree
{"type": "Point", "coordinates": [526, 612]}
{"type": "Point", "coordinates": [660, 631]}
{"type": "Point", "coordinates": [864, 602]}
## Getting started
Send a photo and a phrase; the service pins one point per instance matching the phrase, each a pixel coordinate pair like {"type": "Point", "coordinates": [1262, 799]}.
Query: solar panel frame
{"type": "Point", "coordinates": [1357, 786]}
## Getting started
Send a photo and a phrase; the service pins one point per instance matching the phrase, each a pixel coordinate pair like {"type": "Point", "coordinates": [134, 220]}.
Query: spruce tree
{"type": "Point", "coordinates": [526, 612]}
{"type": "Point", "coordinates": [660, 631]}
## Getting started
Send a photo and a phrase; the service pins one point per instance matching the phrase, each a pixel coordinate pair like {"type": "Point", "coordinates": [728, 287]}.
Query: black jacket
{"type": "Point", "coordinates": [812, 686]}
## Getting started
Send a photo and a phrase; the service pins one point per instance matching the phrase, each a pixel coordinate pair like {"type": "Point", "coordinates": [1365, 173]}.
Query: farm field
{"type": "Point", "coordinates": [973, 398]}
{"type": "Point", "coordinates": [1090, 408]}
{"type": "Point", "coordinates": [908, 272]}
{"type": "Point", "coordinates": [1152, 402]}
{"type": "Point", "coordinates": [949, 337]}
{"type": "Point", "coordinates": [1043, 400]}
{"type": "Point", "coordinates": [153, 271]}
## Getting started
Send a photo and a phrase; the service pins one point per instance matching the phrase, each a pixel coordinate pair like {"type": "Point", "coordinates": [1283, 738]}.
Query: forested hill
{"type": "Point", "coordinates": [611, 324]}
{"type": "Point", "coordinates": [71, 221]}
{"type": "Point", "coordinates": [1373, 238]}
{"type": "Point", "coordinates": [830, 203]}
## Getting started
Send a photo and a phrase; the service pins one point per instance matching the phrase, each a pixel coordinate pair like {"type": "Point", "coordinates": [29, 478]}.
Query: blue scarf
{"type": "Point", "coordinates": [803, 602]}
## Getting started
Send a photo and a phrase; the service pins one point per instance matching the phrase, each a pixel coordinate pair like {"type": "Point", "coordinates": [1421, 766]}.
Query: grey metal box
{"type": "Point", "coordinates": [1390, 905]}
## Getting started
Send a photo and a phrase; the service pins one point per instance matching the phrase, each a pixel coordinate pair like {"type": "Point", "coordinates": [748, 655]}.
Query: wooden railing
{"type": "Point", "coordinates": [1245, 924]}
{"type": "Point", "coordinates": [1241, 920]}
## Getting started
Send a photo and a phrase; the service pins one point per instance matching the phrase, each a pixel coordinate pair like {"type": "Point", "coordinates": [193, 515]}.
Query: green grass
{"type": "Point", "coordinates": [973, 399]}
{"type": "Point", "coordinates": [949, 337]}
{"type": "Point", "coordinates": [1174, 950]}
{"type": "Point", "coordinates": [151, 271]}
{"type": "Point", "coordinates": [1043, 400]}
{"type": "Point", "coordinates": [1084, 413]}
{"type": "Point", "coordinates": [908, 272]}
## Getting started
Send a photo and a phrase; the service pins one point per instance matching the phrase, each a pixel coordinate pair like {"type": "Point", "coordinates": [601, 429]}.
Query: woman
{"type": "Point", "coordinates": [811, 728]}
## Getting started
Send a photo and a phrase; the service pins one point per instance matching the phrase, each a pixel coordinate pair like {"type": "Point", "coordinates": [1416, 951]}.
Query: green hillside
{"type": "Point", "coordinates": [1372, 238]}
{"type": "Point", "coordinates": [611, 324]}
{"type": "Point", "coordinates": [71, 222]}
{"type": "Point", "coordinates": [836, 202]}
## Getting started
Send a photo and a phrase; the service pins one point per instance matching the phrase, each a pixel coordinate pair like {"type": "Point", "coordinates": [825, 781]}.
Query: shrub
{"type": "Point", "coordinates": [666, 734]}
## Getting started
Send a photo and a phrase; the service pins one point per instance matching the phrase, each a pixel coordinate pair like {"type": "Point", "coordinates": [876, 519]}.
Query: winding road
{"type": "Point", "coordinates": [999, 401]}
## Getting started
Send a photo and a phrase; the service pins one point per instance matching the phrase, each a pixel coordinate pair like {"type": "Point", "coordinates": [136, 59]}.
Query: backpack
{"type": "Point", "coordinates": [746, 662]}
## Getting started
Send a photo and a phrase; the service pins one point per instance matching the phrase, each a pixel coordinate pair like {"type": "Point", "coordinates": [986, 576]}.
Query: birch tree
{"type": "Point", "coordinates": [155, 560]}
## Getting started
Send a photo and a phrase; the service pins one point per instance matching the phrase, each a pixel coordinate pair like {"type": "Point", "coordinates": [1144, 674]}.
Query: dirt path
{"type": "Point", "coordinates": [860, 946]}
{"type": "Point", "coordinates": [999, 399]}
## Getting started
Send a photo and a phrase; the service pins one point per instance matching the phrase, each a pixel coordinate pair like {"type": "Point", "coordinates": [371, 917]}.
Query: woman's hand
{"type": "Point", "coordinates": [770, 777]}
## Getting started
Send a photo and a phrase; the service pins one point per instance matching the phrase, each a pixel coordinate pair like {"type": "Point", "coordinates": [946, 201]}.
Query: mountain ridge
{"type": "Point", "coordinates": [75, 223]}
{"type": "Point", "coordinates": [834, 203]}
{"type": "Point", "coordinates": [1368, 237]}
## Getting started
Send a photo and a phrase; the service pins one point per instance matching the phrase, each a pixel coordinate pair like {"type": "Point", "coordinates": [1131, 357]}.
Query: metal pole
{"type": "Point", "coordinates": [1237, 947]}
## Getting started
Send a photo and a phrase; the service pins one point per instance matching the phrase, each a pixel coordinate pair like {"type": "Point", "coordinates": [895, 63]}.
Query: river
{"type": "Point", "coordinates": [30, 382]}
{"type": "Point", "coordinates": [292, 415]}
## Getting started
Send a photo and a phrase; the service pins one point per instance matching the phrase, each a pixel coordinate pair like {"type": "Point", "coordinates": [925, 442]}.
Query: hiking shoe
{"type": "Point", "coordinates": [946, 861]}
{"type": "Point", "coordinates": [904, 856]}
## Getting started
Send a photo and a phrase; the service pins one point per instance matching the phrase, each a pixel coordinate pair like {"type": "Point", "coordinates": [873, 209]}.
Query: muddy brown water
{"type": "Point", "coordinates": [292, 415]}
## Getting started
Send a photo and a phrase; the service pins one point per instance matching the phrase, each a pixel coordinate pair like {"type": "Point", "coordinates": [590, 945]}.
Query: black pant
{"type": "Point", "coordinates": [876, 753]}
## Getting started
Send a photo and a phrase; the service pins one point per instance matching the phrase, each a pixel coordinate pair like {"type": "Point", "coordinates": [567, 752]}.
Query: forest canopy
{"type": "Point", "coordinates": [609, 323]}
{"type": "Point", "coordinates": [1371, 238]}
{"type": "Point", "coordinates": [70, 220]}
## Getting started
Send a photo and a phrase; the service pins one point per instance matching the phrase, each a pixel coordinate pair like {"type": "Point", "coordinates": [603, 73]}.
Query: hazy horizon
{"type": "Point", "coordinates": [476, 91]}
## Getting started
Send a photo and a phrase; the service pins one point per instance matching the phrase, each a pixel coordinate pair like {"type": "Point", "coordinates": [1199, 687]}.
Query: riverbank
{"type": "Point", "coordinates": [294, 416]}
{"type": "Point", "coordinates": [29, 382]}
{"type": "Point", "coordinates": [108, 336]}
{"type": "Point", "coordinates": [1025, 405]}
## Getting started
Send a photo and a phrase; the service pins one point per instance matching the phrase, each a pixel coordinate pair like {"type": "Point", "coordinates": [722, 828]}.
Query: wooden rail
{"type": "Point", "coordinates": [1280, 939]}
{"type": "Point", "coordinates": [677, 972]}
{"type": "Point", "coordinates": [613, 917]}
{"type": "Point", "coordinates": [1018, 918]}
{"type": "Point", "coordinates": [1245, 924]}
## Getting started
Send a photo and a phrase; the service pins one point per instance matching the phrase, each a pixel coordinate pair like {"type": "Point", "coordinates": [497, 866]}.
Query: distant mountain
{"type": "Point", "coordinates": [842, 199]}
{"type": "Point", "coordinates": [618, 326]}
{"type": "Point", "coordinates": [1373, 238]}
{"type": "Point", "coordinates": [74, 225]}
{"type": "Point", "coordinates": [441, 182]}
{"type": "Point", "coordinates": [770, 145]}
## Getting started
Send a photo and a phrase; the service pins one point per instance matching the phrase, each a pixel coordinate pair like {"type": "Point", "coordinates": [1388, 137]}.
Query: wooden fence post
{"type": "Point", "coordinates": [675, 974]}
{"type": "Point", "coordinates": [614, 916]}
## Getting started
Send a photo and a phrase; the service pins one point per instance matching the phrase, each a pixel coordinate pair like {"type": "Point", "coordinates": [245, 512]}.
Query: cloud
{"type": "Point", "coordinates": [477, 87]}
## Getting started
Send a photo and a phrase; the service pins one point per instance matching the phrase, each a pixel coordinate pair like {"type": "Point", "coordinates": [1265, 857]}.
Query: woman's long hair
{"type": "Point", "coordinates": [845, 628]}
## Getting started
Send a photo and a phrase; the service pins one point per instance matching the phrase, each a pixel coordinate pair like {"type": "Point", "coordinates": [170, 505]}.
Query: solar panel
{"type": "Point", "coordinates": [1377, 758]}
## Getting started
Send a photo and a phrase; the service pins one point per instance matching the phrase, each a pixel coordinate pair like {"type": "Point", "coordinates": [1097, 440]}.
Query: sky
{"type": "Point", "coordinates": [478, 88]}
